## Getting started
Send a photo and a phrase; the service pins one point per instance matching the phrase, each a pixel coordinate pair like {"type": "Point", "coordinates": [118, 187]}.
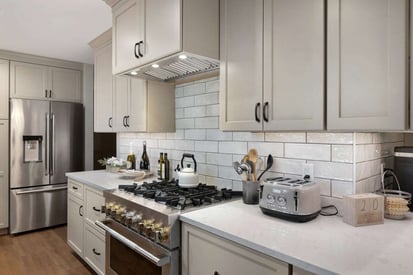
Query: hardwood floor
{"type": "Point", "coordinates": [41, 252]}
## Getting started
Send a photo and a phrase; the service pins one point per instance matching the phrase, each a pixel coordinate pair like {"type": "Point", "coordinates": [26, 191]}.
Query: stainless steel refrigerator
{"type": "Point", "coordinates": [46, 141]}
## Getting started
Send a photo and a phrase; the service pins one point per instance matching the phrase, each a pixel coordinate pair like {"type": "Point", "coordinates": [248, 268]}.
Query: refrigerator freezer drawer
{"type": "Point", "coordinates": [35, 208]}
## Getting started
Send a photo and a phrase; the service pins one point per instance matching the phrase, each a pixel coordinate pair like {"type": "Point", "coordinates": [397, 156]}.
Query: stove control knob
{"type": "Point", "coordinates": [162, 235]}
{"type": "Point", "coordinates": [128, 218]}
{"type": "Point", "coordinates": [135, 220]}
{"type": "Point", "coordinates": [143, 225]}
{"type": "Point", "coordinates": [120, 214]}
{"type": "Point", "coordinates": [108, 208]}
{"type": "Point", "coordinates": [113, 210]}
{"type": "Point", "coordinates": [151, 231]}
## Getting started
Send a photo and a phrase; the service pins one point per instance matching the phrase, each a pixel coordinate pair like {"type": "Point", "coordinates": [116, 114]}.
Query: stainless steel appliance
{"type": "Point", "coordinates": [403, 167]}
{"type": "Point", "coordinates": [46, 141]}
{"type": "Point", "coordinates": [290, 198]}
{"type": "Point", "coordinates": [142, 224]}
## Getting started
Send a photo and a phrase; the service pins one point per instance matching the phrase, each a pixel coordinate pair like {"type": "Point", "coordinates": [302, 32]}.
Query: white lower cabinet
{"type": "Point", "coordinates": [83, 236]}
{"type": "Point", "coordinates": [4, 174]}
{"type": "Point", "coordinates": [205, 253]}
{"type": "Point", "coordinates": [94, 249]}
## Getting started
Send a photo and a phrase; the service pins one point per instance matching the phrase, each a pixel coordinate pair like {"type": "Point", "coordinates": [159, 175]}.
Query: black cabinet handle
{"type": "Point", "coordinates": [265, 111]}
{"type": "Point", "coordinates": [138, 53]}
{"type": "Point", "coordinates": [257, 106]}
{"type": "Point", "coordinates": [95, 252]}
{"type": "Point", "coordinates": [50, 93]}
{"type": "Point", "coordinates": [216, 273]}
{"type": "Point", "coordinates": [110, 122]}
{"type": "Point", "coordinates": [74, 188]}
{"type": "Point", "coordinates": [45, 93]}
{"type": "Point", "coordinates": [127, 121]}
{"type": "Point", "coordinates": [124, 119]}
{"type": "Point", "coordinates": [80, 208]}
{"type": "Point", "coordinates": [97, 210]}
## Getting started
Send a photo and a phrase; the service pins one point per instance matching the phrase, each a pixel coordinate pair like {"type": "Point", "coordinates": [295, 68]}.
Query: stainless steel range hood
{"type": "Point", "coordinates": [176, 67]}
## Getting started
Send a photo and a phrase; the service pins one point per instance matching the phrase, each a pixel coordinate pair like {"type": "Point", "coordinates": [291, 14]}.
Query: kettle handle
{"type": "Point", "coordinates": [191, 156]}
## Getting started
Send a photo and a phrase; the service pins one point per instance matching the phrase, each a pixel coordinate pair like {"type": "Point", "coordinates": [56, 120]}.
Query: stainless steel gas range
{"type": "Point", "coordinates": [142, 224]}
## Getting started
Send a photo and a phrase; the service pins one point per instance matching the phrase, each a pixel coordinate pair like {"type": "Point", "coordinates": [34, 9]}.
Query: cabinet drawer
{"type": "Point", "coordinates": [94, 201]}
{"type": "Point", "coordinates": [94, 250]}
{"type": "Point", "coordinates": [75, 189]}
{"type": "Point", "coordinates": [204, 254]}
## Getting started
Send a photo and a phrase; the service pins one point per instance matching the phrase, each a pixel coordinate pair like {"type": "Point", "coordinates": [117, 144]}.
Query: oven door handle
{"type": "Point", "coordinates": [165, 259]}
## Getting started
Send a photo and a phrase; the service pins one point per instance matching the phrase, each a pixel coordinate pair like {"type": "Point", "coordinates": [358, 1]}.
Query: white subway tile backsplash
{"type": "Point", "coordinates": [195, 89]}
{"type": "Point", "coordinates": [179, 134]}
{"type": "Point", "coordinates": [179, 92]}
{"type": "Point", "coordinates": [199, 111]}
{"type": "Point", "coordinates": [285, 137]}
{"type": "Point", "coordinates": [333, 170]}
{"type": "Point", "coordinates": [342, 153]}
{"type": "Point", "coordinates": [206, 146]}
{"type": "Point", "coordinates": [216, 134]}
{"type": "Point", "coordinates": [185, 123]}
{"type": "Point", "coordinates": [208, 170]}
{"type": "Point", "coordinates": [212, 110]}
{"type": "Point", "coordinates": [369, 185]}
{"type": "Point", "coordinates": [228, 173]}
{"type": "Point", "coordinates": [364, 138]}
{"type": "Point", "coordinates": [166, 144]}
{"type": "Point", "coordinates": [157, 135]}
{"type": "Point", "coordinates": [200, 157]}
{"type": "Point", "coordinates": [195, 134]}
{"type": "Point", "coordinates": [219, 159]}
{"type": "Point", "coordinates": [287, 166]}
{"type": "Point", "coordinates": [330, 138]}
{"type": "Point", "coordinates": [212, 86]}
{"type": "Point", "coordinates": [207, 122]}
{"type": "Point", "coordinates": [308, 151]}
{"type": "Point", "coordinates": [185, 145]}
{"type": "Point", "coordinates": [219, 182]}
{"type": "Point", "coordinates": [182, 102]}
{"type": "Point", "coordinates": [247, 136]}
{"type": "Point", "coordinates": [341, 188]}
{"type": "Point", "coordinates": [237, 185]}
{"type": "Point", "coordinates": [179, 113]}
{"type": "Point", "coordinates": [387, 137]}
{"type": "Point", "coordinates": [367, 152]}
{"type": "Point", "coordinates": [233, 147]}
{"type": "Point", "coordinates": [367, 169]}
{"type": "Point", "coordinates": [266, 148]}
{"type": "Point", "coordinates": [325, 186]}
{"type": "Point", "coordinates": [206, 99]}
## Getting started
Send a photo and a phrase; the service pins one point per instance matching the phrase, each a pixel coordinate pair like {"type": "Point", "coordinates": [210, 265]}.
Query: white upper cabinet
{"type": "Point", "coordinates": [4, 89]}
{"type": "Point", "coordinates": [272, 78]}
{"type": "Point", "coordinates": [103, 87]}
{"type": "Point", "coordinates": [34, 81]}
{"type": "Point", "coordinates": [293, 65]}
{"type": "Point", "coordinates": [241, 68]}
{"type": "Point", "coordinates": [144, 31]}
{"type": "Point", "coordinates": [367, 64]}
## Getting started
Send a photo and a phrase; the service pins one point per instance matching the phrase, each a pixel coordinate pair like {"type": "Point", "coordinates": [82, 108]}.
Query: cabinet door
{"type": "Point", "coordinates": [4, 89]}
{"type": "Point", "coordinates": [121, 104]}
{"type": "Point", "coordinates": [367, 64]}
{"type": "Point", "coordinates": [128, 31]}
{"type": "Point", "coordinates": [95, 249]}
{"type": "Point", "coordinates": [293, 65]}
{"type": "Point", "coordinates": [103, 101]}
{"type": "Point", "coordinates": [137, 105]}
{"type": "Point", "coordinates": [162, 29]}
{"type": "Point", "coordinates": [205, 254]}
{"type": "Point", "coordinates": [4, 172]}
{"type": "Point", "coordinates": [241, 69]}
{"type": "Point", "coordinates": [75, 224]}
{"type": "Point", "coordinates": [28, 80]}
{"type": "Point", "coordinates": [65, 85]}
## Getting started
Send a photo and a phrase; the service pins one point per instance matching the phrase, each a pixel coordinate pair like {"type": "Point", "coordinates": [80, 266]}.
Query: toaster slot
{"type": "Point", "coordinates": [296, 201]}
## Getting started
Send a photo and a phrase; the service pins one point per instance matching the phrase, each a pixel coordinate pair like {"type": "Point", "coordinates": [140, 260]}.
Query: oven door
{"type": "Point", "coordinates": [127, 252]}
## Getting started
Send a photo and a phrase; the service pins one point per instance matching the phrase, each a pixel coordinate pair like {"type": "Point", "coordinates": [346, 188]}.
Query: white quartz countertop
{"type": "Point", "coordinates": [325, 245]}
{"type": "Point", "coordinates": [100, 179]}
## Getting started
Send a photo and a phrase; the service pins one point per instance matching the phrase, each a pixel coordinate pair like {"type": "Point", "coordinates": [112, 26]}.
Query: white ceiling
{"type": "Point", "coordinates": [53, 28]}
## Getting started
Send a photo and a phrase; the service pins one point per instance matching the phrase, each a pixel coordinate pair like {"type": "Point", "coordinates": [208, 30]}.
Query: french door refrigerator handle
{"type": "Point", "coordinates": [41, 190]}
{"type": "Point", "coordinates": [52, 149]}
{"type": "Point", "coordinates": [46, 157]}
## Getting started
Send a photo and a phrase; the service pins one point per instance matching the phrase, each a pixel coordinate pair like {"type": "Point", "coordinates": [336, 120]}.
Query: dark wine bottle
{"type": "Point", "coordinates": [166, 166]}
{"type": "Point", "coordinates": [144, 164]}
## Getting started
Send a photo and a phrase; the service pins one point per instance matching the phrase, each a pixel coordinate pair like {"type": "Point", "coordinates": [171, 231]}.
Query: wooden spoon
{"type": "Point", "coordinates": [253, 157]}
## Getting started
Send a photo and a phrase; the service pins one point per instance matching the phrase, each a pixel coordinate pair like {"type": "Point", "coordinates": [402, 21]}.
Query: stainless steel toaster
{"type": "Point", "coordinates": [293, 199]}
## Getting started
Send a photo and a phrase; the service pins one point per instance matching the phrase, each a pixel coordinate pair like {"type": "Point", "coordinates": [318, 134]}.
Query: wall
{"type": "Point", "coordinates": [88, 108]}
{"type": "Point", "coordinates": [344, 163]}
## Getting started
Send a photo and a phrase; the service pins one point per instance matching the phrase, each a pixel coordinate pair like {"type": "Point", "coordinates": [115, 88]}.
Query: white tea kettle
{"type": "Point", "coordinates": [187, 175]}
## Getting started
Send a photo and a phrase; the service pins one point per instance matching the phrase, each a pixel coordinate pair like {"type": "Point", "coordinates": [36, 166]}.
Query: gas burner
{"type": "Point", "coordinates": [171, 194]}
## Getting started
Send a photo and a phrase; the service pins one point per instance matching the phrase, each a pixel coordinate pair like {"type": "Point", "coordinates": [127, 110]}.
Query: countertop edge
{"type": "Point", "coordinates": [251, 245]}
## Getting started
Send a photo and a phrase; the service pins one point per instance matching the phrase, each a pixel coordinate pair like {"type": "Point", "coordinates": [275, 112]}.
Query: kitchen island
{"type": "Point", "coordinates": [325, 245]}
